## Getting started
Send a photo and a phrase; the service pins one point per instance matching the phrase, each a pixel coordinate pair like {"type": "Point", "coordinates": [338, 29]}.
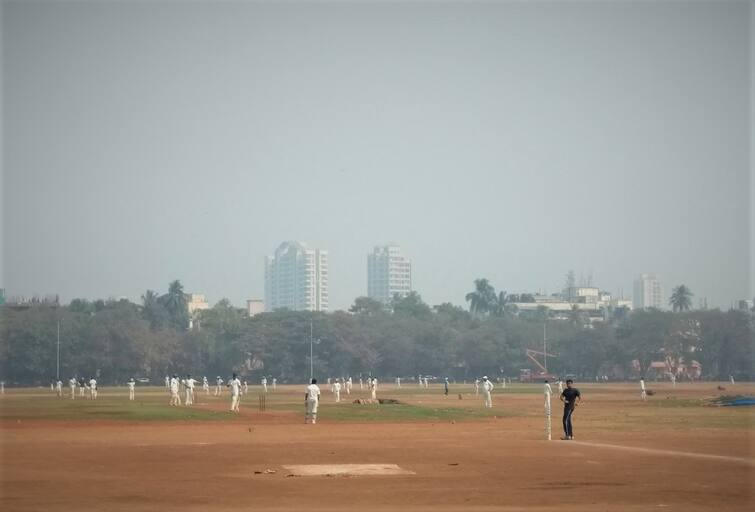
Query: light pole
{"type": "Point", "coordinates": [312, 342]}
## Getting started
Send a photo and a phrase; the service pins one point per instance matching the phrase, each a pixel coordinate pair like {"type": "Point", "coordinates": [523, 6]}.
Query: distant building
{"type": "Point", "coordinates": [196, 302]}
{"type": "Point", "coordinates": [296, 278]}
{"type": "Point", "coordinates": [744, 304]}
{"type": "Point", "coordinates": [255, 307]}
{"type": "Point", "coordinates": [389, 273]}
{"type": "Point", "coordinates": [647, 292]}
{"type": "Point", "coordinates": [583, 294]}
{"type": "Point", "coordinates": [21, 302]}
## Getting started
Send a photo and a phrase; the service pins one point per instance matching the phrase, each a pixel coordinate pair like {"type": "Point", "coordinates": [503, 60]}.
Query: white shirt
{"type": "Point", "coordinates": [72, 383]}
{"type": "Point", "coordinates": [92, 383]}
{"type": "Point", "coordinates": [487, 386]}
{"type": "Point", "coordinates": [174, 385]}
{"type": "Point", "coordinates": [264, 381]}
{"type": "Point", "coordinates": [642, 384]}
{"type": "Point", "coordinates": [190, 383]}
{"type": "Point", "coordinates": [338, 387]}
{"type": "Point", "coordinates": [313, 392]}
{"type": "Point", "coordinates": [235, 385]}
{"type": "Point", "coordinates": [131, 385]}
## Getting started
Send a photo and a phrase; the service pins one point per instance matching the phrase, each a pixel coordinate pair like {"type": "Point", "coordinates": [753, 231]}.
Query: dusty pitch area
{"type": "Point", "coordinates": [667, 454]}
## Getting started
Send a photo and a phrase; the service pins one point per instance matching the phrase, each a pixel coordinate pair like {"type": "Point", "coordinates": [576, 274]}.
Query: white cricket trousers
{"type": "Point", "coordinates": [487, 399]}
{"type": "Point", "coordinates": [311, 411]}
{"type": "Point", "coordinates": [189, 397]}
{"type": "Point", "coordinates": [174, 398]}
{"type": "Point", "coordinates": [374, 394]}
{"type": "Point", "coordinates": [130, 394]}
{"type": "Point", "coordinates": [338, 396]}
{"type": "Point", "coordinates": [234, 403]}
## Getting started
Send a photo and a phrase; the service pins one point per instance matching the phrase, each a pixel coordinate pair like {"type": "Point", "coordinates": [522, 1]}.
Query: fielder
{"type": "Point", "coordinates": [445, 386]}
{"type": "Point", "coordinates": [427, 385]}
{"type": "Point", "coordinates": [643, 394]}
{"type": "Point", "coordinates": [731, 379]}
{"type": "Point", "coordinates": [361, 383]}
{"type": "Point", "coordinates": [373, 388]}
{"type": "Point", "coordinates": [264, 385]}
{"type": "Point", "coordinates": [93, 388]}
{"type": "Point", "coordinates": [487, 387]}
{"type": "Point", "coordinates": [218, 383]}
{"type": "Point", "coordinates": [205, 386]}
{"type": "Point", "coordinates": [189, 384]}
{"type": "Point", "coordinates": [398, 382]}
{"type": "Point", "coordinates": [311, 400]}
{"type": "Point", "coordinates": [477, 386]}
{"type": "Point", "coordinates": [131, 385]}
{"type": "Point", "coordinates": [348, 386]}
{"type": "Point", "coordinates": [337, 390]}
{"type": "Point", "coordinates": [72, 385]}
{"type": "Point", "coordinates": [59, 388]}
{"type": "Point", "coordinates": [275, 383]}
{"type": "Point", "coordinates": [167, 383]}
{"type": "Point", "coordinates": [82, 387]}
{"type": "Point", "coordinates": [246, 387]}
{"type": "Point", "coordinates": [560, 387]}
{"type": "Point", "coordinates": [235, 385]}
{"type": "Point", "coordinates": [175, 399]}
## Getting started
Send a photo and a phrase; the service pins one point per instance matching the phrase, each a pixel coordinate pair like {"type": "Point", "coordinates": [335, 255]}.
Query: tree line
{"type": "Point", "coordinates": [117, 340]}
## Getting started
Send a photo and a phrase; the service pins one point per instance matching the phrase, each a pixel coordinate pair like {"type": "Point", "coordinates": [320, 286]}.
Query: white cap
{"type": "Point", "coordinates": [485, 377]}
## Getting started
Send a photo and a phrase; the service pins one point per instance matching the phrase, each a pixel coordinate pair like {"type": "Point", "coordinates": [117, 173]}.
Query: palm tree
{"type": "Point", "coordinates": [681, 298]}
{"type": "Point", "coordinates": [175, 302]}
{"type": "Point", "coordinates": [501, 304]}
{"type": "Point", "coordinates": [482, 300]}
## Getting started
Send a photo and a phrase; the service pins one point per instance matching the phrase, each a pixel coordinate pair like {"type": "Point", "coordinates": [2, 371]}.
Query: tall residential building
{"type": "Point", "coordinates": [389, 273]}
{"type": "Point", "coordinates": [647, 292]}
{"type": "Point", "coordinates": [296, 278]}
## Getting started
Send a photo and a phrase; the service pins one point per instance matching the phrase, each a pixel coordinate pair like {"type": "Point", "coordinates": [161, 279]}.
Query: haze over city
{"type": "Point", "coordinates": [145, 143]}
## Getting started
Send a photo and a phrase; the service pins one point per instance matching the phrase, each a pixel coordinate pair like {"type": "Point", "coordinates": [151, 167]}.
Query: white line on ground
{"type": "Point", "coordinates": [672, 453]}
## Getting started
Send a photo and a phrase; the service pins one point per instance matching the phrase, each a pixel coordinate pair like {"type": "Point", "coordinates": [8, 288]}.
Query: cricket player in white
{"type": "Point", "coordinates": [560, 387]}
{"type": "Point", "coordinates": [373, 388]}
{"type": "Point", "coordinates": [349, 383]}
{"type": "Point", "coordinates": [93, 388]}
{"type": "Point", "coordinates": [59, 388]}
{"type": "Point", "coordinates": [337, 388]}
{"type": "Point", "coordinates": [275, 383]}
{"type": "Point", "coordinates": [189, 383]}
{"type": "Point", "coordinates": [218, 383]}
{"type": "Point", "coordinates": [167, 383]}
{"type": "Point", "coordinates": [235, 385]}
{"type": "Point", "coordinates": [427, 383]}
{"type": "Point", "coordinates": [82, 387]}
{"type": "Point", "coordinates": [731, 379]}
{"type": "Point", "coordinates": [264, 384]}
{"type": "Point", "coordinates": [361, 383]}
{"type": "Point", "coordinates": [175, 399]}
{"type": "Point", "coordinates": [205, 386]}
{"type": "Point", "coordinates": [398, 382]}
{"type": "Point", "coordinates": [487, 387]}
{"type": "Point", "coordinates": [673, 380]}
{"type": "Point", "coordinates": [311, 400]}
{"type": "Point", "coordinates": [246, 387]}
{"type": "Point", "coordinates": [643, 394]}
{"type": "Point", "coordinates": [419, 380]}
{"type": "Point", "coordinates": [131, 385]}
{"type": "Point", "coordinates": [477, 386]}
{"type": "Point", "coordinates": [547, 391]}
{"type": "Point", "coordinates": [72, 385]}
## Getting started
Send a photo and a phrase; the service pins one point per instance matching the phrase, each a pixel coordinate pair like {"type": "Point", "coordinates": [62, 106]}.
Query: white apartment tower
{"type": "Point", "coordinates": [296, 278]}
{"type": "Point", "coordinates": [647, 292]}
{"type": "Point", "coordinates": [389, 273]}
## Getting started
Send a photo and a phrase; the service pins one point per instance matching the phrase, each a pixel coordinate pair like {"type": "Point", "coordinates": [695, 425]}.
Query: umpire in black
{"type": "Point", "coordinates": [570, 397]}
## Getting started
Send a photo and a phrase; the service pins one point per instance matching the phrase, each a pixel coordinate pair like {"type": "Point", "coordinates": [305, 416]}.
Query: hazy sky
{"type": "Point", "coordinates": [145, 142]}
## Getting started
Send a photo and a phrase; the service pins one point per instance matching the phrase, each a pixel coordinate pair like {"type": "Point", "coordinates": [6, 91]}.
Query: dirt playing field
{"type": "Point", "coordinates": [672, 452]}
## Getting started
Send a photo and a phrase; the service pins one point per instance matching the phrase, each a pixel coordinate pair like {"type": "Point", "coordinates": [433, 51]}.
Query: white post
{"type": "Point", "coordinates": [57, 362]}
{"type": "Point", "coordinates": [311, 360]}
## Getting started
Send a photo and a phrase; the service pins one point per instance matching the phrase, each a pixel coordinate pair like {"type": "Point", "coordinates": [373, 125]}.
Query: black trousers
{"type": "Point", "coordinates": [568, 411]}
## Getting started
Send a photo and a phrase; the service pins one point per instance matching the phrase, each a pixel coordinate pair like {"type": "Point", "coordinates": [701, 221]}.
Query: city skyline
{"type": "Point", "coordinates": [487, 138]}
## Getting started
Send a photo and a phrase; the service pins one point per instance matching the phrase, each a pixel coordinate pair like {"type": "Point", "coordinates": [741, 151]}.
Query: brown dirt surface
{"type": "Point", "coordinates": [477, 465]}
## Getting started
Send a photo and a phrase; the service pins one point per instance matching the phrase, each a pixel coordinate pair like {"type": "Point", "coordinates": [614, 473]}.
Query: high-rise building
{"type": "Point", "coordinates": [647, 292]}
{"type": "Point", "coordinates": [389, 273]}
{"type": "Point", "coordinates": [296, 278]}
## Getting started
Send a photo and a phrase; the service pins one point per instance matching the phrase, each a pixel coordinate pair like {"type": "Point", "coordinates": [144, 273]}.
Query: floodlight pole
{"type": "Point", "coordinates": [545, 350]}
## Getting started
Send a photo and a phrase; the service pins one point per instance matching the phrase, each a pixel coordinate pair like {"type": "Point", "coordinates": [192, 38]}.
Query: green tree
{"type": "Point", "coordinates": [175, 303]}
{"type": "Point", "coordinates": [681, 299]}
{"type": "Point", "coordinates": [483, 299]}
{"type": "Point", "coordinates": [367, 306]}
